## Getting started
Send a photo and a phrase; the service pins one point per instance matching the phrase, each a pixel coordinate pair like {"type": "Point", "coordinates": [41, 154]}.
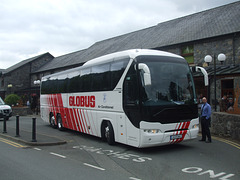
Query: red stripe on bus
{"type": "Point", "coordinates": [82, 121]}
{"type": "Point", "coordinates": [76, 120]}
{"type": "Point", "coordinates": [79, 119]}
{"type": "Point", "coordinates": [70, 118]}
{"type": "Point", "coordinates": [85, 121]}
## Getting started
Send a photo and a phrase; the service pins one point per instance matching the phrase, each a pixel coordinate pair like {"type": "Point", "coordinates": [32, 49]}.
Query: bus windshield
{"type": "Point", "coordinates": [171, 82]}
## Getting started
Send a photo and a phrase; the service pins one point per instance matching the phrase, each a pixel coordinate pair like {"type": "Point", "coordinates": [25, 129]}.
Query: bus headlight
{"type": "Point", "coordinates": [152, 131]}
{"type": "Point", "coordinates": [195, 126]}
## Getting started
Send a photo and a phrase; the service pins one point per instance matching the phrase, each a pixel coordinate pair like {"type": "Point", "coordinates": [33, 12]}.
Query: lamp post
{"type": "Point", "coordinates": [208, 59]}
{"type": "Point", "coordinates": [37, 82]}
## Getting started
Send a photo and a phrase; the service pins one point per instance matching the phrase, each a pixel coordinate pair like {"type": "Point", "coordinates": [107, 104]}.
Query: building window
{"type": "Point", "coordinates": [227, 88]}
{"type": "Point", "coordinates": [187, 53]}
{"type": "Point", "coordinates": [2, 83]}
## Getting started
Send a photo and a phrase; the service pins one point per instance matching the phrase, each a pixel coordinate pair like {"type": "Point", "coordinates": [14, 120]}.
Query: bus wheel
{"type": "Point", "coordinates": [109, 133]}
{"type": "Point", "coordinates": [59, 123]}
{"type": "Point", "coordinates": [52, 121]}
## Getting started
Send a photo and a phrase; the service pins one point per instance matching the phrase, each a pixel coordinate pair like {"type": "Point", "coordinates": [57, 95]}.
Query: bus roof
{"type": "Point", "coordinates": [132, 53]}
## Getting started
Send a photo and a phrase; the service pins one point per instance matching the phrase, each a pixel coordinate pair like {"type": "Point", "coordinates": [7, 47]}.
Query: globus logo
{"type": "Point", "coordinates": [82, 101]}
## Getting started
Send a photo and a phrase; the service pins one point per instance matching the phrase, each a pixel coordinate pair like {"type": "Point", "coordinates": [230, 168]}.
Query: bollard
{"type": "Point", "coordinates": [34, 130]}
{"type": "Point", "coordinates": [4, 124]}
{"type": "Point", "coordinates": [17, 126]}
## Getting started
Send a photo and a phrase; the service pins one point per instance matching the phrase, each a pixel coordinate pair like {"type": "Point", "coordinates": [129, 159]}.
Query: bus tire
{"type": "Point", "coordinates": [109, 133]}
{"type": "Point", "coordinates": [52, 121]}
{"type": "Point", "coordinates": [59, 123]}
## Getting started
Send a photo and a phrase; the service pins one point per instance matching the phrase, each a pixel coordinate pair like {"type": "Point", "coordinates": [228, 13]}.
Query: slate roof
{"type": "Point", "coordinates": [22, 63]}
{"type": "Point", "coordinates": [63, 61]}
{"type": "Point", "coordinates": [215, 22]}
{"type": "Point", "coordinates": [220, 70]}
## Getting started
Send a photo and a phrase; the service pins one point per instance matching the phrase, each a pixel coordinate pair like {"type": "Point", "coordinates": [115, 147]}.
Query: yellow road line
{"type": "Point", "coordinates": [236, 145]}
{"type": "Point", "coordinates": [12, 143]}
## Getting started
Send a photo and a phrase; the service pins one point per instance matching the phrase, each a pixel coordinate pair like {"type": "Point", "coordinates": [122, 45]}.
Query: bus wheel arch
{"type": "Point", "coordinates": [107, 132]}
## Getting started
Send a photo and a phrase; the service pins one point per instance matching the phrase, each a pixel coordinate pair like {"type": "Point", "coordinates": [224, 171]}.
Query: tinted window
{"type": "Point", "coordinates": [85, 81]}
{"type": "Point", "coordinates": [101, 78]}
{"type": "Point", "coordinates": [117, 69]}
{"type": "Point", "coordinates": [44, 87]}
{"type": "Point", "coordinates": [131, 86]}
{"type": "Point", "coordinates": [73, 82]}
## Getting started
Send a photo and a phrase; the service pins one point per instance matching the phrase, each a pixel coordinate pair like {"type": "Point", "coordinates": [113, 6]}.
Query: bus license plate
{"type": "Point", "coordinates": [178, 136]}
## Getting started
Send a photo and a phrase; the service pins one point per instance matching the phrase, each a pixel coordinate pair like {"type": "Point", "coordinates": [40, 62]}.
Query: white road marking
{"type": "Point", "coordinates": [133, 178]}
{"type": "Point", "coordinates": [59, 155]}
{"type": "Point", "coordinates": [37, 149]}
{"type": "Point", "coordinates": [86, 164]}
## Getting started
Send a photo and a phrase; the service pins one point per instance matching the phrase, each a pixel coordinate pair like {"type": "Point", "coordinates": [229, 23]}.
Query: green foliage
{"type": "Point", "coordinates": [12, 99]}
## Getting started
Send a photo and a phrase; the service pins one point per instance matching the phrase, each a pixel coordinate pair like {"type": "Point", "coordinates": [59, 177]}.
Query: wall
{"type": "Point", "coordinates": [229, 45]}
{"type": "Point", "coordinates": [20, 77]}
{"type": "Point", "coordinates": [226, 125]}
{"type": "Point", "coordinates": [237, 47]}
{"type": "Point", "coordinates": [21, 111]}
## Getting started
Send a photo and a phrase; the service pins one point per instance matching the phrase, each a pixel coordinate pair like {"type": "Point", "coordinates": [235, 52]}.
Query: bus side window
{"type": "Point", "coordinates": [62, 83]}
{"type": "Point", "coordinates": [117, 69]}
{"type": "Point", "coordinates": [131, 87]}
{"type": "Point", "coordinates": [101, 78]}
{"type": "Point", "coordinates": [73, 82]}
{"type": "Point", "coordinates": [85, 80]}
{"type": "Point", "coordinates": [53, 87]}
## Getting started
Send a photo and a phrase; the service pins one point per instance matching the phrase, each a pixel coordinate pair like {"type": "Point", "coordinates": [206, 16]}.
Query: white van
{"type": "Point", "coordinates": [5, 110]}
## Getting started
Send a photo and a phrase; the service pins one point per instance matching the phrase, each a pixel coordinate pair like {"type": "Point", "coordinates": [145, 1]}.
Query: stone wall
{"type": "Point", "coordinates": [20, 77]}
{"type": "Point", "coordinates": [226, 125]}
{"type": "Point", "coordinates": [21, 111]}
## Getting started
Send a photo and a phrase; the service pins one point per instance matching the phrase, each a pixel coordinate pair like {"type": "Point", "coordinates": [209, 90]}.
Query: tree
{"type": "Point", "coordinates": [12, 99]}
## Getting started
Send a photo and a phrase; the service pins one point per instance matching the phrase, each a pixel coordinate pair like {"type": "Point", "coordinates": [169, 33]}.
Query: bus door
{"type": "Point", "coordinates": [131, 105]}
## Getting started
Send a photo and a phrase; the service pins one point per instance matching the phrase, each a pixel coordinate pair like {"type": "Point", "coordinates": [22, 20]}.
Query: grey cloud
{"type": "Point", "coordinates": [62, 26]}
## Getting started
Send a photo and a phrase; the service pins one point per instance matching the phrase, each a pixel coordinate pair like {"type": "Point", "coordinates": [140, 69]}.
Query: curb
{"type": "Point", "coordinates": [60, 142]}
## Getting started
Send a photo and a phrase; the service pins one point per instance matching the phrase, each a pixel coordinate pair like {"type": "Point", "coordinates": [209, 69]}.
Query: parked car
{"type": "Point", "coordinates": [5, 110]}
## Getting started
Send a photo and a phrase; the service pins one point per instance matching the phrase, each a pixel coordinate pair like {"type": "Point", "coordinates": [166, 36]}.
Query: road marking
{"type": "Point", "coordinates": [199, 171]}
{"type": "Point", "coordinates": [236, 145]}
{"type": "Point", "coordinates": [86, 164]}
{"type": "Point", "coordinates": [59, 155]}
{"type": "Point", "coordinates": [37, 149]}
{"type": "Point", "coordinates": [115, 154]}
{"type": "Point", "coordinates": [133, 178]}
{"type": "Point", "coordinates": [12, 143]}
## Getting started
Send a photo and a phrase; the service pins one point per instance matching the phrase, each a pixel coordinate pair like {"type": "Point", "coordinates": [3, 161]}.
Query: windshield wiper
{"type": "Point", "coordinates": [163, 111]}
{"type": "Point", "coordinates": [178, 102]}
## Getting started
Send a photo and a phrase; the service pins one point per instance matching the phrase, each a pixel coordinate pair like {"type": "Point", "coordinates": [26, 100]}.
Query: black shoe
{"type": "Point", "coordinates": [201, 140]}
{"type": "Point", "coordinates": [208, 141]}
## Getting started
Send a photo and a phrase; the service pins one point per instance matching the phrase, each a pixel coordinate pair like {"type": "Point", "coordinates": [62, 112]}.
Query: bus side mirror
{"type": "Point", "coordinates": [146, 74]}
{"type": "Point", "coordinates": [204, 72]}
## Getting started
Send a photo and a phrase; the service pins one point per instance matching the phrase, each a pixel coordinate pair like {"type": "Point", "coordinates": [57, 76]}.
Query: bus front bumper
{"type": "Point", "coordinates": [151, 138]}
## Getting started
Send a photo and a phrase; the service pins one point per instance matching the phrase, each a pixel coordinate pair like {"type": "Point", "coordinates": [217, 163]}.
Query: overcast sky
{"type": "Point", "coordinates": [32, 27]}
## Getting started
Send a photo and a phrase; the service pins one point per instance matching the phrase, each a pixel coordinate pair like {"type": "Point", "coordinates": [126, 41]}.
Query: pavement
{"type": "Point", "coordinates": [43, 135]}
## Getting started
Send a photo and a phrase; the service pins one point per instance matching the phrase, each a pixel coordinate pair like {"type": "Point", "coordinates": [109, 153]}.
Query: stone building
{"type": "Point", "coordinates": [18, 78]}
{"type": "Point", "coordinates": [194, 36]}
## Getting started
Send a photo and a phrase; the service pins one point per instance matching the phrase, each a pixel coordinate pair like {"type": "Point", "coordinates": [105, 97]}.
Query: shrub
{"type": "Point", "coordinates": [12, 99]}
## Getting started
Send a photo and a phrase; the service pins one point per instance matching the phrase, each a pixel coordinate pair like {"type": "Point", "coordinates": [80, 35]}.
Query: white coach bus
{"type": "Point", "coordinates": [139, 97]}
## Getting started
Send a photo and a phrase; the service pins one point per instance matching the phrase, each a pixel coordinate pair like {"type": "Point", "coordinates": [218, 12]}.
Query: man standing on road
{"type": "Point", "coordinates": [206, 121]}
